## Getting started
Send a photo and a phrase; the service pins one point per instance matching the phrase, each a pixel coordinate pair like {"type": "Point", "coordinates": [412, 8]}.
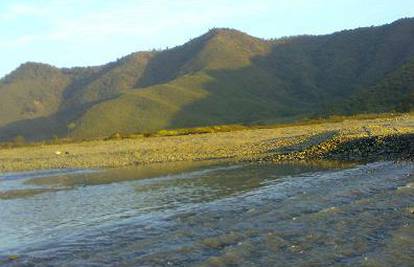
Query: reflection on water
{"type": "Point", "coordinates": [209, 214]}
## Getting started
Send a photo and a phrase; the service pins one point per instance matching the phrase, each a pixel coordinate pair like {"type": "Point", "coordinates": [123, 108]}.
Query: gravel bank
{"type": "Point", "coordinates": [347, 140]}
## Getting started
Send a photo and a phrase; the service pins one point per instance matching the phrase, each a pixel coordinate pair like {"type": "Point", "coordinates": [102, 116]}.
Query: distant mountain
{"type": "Point", "coordinates": [224, 76]}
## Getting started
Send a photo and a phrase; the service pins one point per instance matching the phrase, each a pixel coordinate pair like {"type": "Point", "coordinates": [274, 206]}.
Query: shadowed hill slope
{"type": "Point", "coordinates": [393, 93]}
{"type": "Point", "coordinates": [224, 76]}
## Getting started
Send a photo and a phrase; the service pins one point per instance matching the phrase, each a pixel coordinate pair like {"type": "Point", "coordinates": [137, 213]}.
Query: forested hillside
{"type": "Point", "coordinates": [222, 77]}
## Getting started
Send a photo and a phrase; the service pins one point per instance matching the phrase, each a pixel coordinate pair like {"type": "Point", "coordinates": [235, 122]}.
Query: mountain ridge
{"type": "Point", "coordinates": [223, 76]}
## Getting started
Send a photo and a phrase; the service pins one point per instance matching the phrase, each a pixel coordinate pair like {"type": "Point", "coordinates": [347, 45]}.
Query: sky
{"type": "Point", "coordinates": [68, 33]}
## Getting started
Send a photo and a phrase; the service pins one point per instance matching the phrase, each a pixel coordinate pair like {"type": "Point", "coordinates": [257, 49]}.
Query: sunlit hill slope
{"type": "Point", "coordinates": [222, 77]}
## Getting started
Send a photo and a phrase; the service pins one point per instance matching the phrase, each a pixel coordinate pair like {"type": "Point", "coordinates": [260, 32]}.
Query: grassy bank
{"type": "Point", "coordinates": [350, 139]}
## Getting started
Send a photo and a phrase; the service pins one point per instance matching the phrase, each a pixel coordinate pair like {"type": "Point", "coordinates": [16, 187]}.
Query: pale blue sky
{"type": "Point", "coordinates": [91, 32]}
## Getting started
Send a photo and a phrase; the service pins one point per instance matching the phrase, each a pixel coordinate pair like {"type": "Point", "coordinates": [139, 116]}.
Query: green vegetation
{"type": "Point", "coordinates": [224, 77]}
{"type": "Point", "coordinates": [394, 93]}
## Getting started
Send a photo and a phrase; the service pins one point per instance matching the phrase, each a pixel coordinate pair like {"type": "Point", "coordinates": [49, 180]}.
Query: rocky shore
{"type": "Point", "coordinates": [366, 148]}
{"type": "Point", "coordinates": [355, 140]}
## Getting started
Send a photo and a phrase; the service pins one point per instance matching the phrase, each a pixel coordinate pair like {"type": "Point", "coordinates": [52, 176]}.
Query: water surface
{"type": "Point", "coordinates": [209, 214]}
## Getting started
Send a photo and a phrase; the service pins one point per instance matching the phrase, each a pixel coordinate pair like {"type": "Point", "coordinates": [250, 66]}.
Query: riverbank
{"type": "Point", "coordinates": [370, 139]}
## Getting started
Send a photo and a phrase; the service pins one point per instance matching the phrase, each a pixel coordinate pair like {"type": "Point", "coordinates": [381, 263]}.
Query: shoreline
{"type": "Point", "coordinates": [350, 140]}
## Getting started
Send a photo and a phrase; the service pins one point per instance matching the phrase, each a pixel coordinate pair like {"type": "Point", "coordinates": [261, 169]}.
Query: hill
{"type": "Point", "coordinates": [222, 77]}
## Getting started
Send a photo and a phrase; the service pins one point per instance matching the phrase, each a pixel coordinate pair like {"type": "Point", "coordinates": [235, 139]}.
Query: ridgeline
{"type": "Point", "coordinates": [222, 77]}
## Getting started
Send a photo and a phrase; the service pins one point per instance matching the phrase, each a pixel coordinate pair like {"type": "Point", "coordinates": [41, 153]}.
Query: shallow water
{"type": "Point", "coordinates": [210, 215]}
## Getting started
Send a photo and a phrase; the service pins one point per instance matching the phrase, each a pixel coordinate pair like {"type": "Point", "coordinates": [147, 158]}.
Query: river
{"type": "Point", "coordinates": [210, 214]}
